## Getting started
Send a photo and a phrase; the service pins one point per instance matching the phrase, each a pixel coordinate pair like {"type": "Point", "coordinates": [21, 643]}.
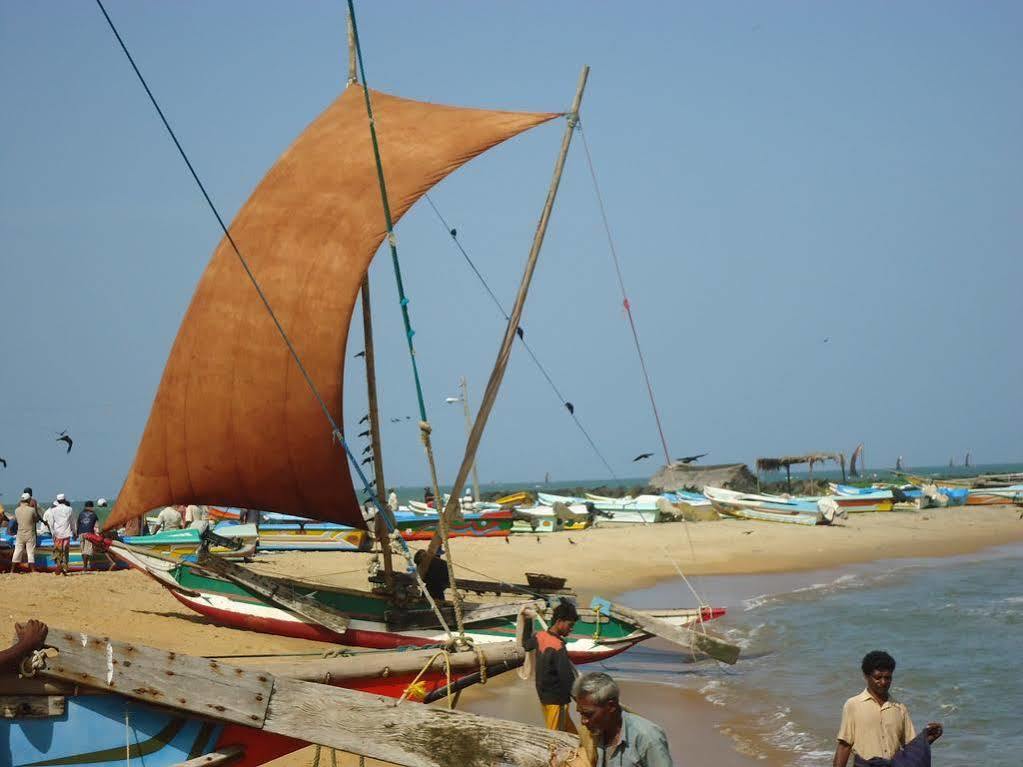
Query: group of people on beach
{"type": "Point", "coordinates": [27, 523]}
{"type": "Point", "coordinates": [875, 729]}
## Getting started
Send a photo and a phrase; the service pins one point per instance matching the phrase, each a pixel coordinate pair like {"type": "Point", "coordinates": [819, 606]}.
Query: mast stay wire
{"type": "Point", "coordinates": [543, 371]}
{"type": "Point", "coordinates": [642, 362]}
{"type": "Point", "coordinates": [336, 432]}
{"type": "Point", "coordinates": [425, 429]}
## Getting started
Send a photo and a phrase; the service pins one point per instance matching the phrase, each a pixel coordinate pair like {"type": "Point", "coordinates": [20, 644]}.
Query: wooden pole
{"type": "Point", "coordinates": [380, 527]}
{"type": "Point", "coordinates": [497, 374]}
{"type": "Point", "coordinates": [468, 431]}
{"type": "Point", "coordinates": [788, 477]}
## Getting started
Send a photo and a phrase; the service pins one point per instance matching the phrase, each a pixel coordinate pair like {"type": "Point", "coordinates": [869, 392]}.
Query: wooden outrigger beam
{"type": "Point", "coordinates": [411, 735]}
{"type": "Point", "coordinates": [696, 641]}
{"type": "Point", "coordinates": [277, 592]}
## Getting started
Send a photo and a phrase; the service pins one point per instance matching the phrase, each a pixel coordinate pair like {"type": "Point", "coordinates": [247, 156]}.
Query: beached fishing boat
{"type": "Point", "coordinates": [489, 524]}
{"type": "Point", "coordinates": [768, 508]}
{"type": "Point", "coordinates": [629, 511]}
{"type": "Point", "coordinates": [366, 619]}
{"type": "Point", "coordinates": [283, 532]}
{"type": "Point", "coordinates": [95, 701]}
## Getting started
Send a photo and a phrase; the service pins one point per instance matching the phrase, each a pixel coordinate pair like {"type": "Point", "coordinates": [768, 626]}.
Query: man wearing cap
{"type": "Point", "coordinates": [61, 522]}
{"type": "Point", "coordinates": [25, 517]}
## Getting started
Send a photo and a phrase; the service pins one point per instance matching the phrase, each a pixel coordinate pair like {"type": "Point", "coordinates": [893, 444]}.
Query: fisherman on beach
{"type": "Point", "coordinates": [61, 521]}
{"type": "Point", "coordinates": [169, 519]}
{"type": "Point", "coordinates": [554, 670]}
{"type": "Point", "coordinates": [877, 729]}
{"type": "Point", "coordinates": [621, 738]}
{"type": "Point", "coordinates": [87, 523]}
{"type": "Point", "coordinates": [26, 517]}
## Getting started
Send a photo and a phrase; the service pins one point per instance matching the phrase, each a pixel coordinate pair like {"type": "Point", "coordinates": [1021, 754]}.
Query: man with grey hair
{"type": "Point", "coordinates": [621, 738]}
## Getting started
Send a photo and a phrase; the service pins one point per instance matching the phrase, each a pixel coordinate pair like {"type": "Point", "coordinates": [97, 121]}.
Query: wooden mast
{"type": "Point", "coordinates": [380, 527]}
{"type": "Point", "coordinates": [496, 376]}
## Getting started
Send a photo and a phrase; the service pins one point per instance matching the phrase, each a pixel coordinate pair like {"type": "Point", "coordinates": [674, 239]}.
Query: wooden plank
{"type": "Point", "coordinates": [205, 687]}
{"type": "Point", "coordinates": [708, 644]}
{"type": "Point", "coordinates": [278, 593]}
{"type": "Point", "coordinates": [409, 734]}
{"type": "Point", "coordinates": [215, 758]}
{"type": "Point", "coordinates": [31, 706]}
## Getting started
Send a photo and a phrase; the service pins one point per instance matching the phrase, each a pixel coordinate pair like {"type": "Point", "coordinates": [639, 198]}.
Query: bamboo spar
{"type": "Point", "coordinates": [497, 374]}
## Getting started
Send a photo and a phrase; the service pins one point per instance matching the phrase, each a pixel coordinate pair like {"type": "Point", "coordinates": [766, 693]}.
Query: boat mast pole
{"type": "Point", "coordinates": [380, 527]}
{"type": "Point", "coordinates": [496, 376]}
{"type": "Point", "coordinates": [468, 430]}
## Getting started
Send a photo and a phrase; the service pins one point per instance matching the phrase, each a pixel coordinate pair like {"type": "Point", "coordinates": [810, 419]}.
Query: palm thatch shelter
{"type": "Point", "coordinates": [787, 461]}
{"type": "Point", "coordinates": [683, 476]}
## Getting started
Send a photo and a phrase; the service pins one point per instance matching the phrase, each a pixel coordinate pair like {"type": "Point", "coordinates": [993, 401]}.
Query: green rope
{"type": "Point", "coordinates": [391, 239]}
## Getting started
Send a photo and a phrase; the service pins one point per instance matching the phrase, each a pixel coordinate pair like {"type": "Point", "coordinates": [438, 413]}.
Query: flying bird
{"type": "Point", "coordinates": [3, 462]}
{"type": "Point", "coordinates": [570, 407]}
{"type": "Point", "coordinates": [454, 232]}
{"type": "Point", "coordinates": [520, 332]}
{"type": "Point", "coordinates": [395, 420]}
{"type": "Point", "coordinates": [364, 433]}
{"type": "Point", "coordinates": [364, 419]}
{"type": "Point", "coordinates": [826, 340]}
{"type": "Point", "coordinates": [360, 354]}
{"type": "Point", "coordinates": [641, 456]}
{"type": "Point", "coordinates": [66, 439]}
{"type": "Point", "coordinates": [691, 458]}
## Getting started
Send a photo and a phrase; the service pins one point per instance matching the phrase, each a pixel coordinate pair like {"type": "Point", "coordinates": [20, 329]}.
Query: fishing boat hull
{"type": "Point", "coordinates": [491, 524]}
{"type": "Point", "coordinates": [102, 730]}
{"type": "Point", "coordinates": [765, 508]}
{"type": "Point", "coordinates": [228, 604]}
{"type": "Point", "coordinates": [315, 536]}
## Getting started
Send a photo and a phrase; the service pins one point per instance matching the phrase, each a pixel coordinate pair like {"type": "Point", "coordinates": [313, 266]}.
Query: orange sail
{"type": "Point", "coordinates": [233, 422]}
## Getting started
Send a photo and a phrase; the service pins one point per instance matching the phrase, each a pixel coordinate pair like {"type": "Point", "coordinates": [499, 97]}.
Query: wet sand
{"type": "Point", "coordinates": [129, 606]}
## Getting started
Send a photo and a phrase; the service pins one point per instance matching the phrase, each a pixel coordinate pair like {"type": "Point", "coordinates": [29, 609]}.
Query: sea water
{"type": "Point", "coordinates": [954, 626]}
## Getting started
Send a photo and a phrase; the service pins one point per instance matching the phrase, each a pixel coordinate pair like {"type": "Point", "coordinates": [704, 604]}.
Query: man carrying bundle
{"type": "Point", "coordinates": [554, 670]}
{"type": "Point", "coordinates": [876, 728]}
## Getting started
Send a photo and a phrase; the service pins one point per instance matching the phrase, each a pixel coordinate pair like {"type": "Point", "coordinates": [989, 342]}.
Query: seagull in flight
{"type": "Point", "coordinates": [360, 354]}
{"type": "Point", "coordinates": [641, 457]}
{"type": "Point", "coordinates": [570, 407]}
{"type": "Point", "coordinates": [4, 462]}
{"type": "Point", "coordinates": [65, 438]}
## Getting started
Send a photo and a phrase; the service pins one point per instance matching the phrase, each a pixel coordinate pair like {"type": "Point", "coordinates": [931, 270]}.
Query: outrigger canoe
{"type": "Point", "coordinates": [369, 619]}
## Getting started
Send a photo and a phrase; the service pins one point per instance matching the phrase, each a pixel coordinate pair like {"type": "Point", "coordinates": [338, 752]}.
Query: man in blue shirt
{"type": "Point", "coordinates": [87, 522]}
{"type": "Point", "coordinates": [622, 739]}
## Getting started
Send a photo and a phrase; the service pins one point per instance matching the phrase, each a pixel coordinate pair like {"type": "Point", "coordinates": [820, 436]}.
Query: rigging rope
{"type": "Point", "coordinates": [642, 363]}
{"type": "Point", "coordinates": [625, 298]}
{"type": "Point", "coordinates": [403, 301]}
{"type": "Point", "coordinates": [521, 334]}
{"type": "Point", "coordinates": [336, 432]}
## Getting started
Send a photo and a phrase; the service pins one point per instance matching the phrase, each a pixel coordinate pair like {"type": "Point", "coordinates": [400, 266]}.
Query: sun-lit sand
{"type": "Point", "coordinates": [608, 561]}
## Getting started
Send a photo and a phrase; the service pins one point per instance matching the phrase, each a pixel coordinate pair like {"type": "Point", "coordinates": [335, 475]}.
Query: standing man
{"type": "Point", "coordinates": [392, 500]}
{"type": "Point", "coordinates": [621, 738]}
{"type": "Point", "coordinates": [26, 517]}
{"type": "Point", "coordinates": [87, 523]}
{"type": "Point", "coordinates": [61, 522]}
{"type": "Point", "coordinates": [554, 670]}
{"type": "Point", "coordinates": [169, 519]}
{"type": "Point", "coordinates": [873, 725]}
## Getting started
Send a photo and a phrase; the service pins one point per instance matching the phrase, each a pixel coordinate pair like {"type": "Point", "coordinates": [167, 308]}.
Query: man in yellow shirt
{"type": "Point", "coordinates": [873, 725]}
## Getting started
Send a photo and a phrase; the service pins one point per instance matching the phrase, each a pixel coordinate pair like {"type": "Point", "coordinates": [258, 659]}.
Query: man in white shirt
{"type": "Point", "coordinates": [169, 519]}
{"type": "Point", "coordinates": [60, 519]}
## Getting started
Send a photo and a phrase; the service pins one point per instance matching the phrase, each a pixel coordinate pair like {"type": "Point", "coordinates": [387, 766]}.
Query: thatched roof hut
{"type": "Point", "coordinates": [679, 476]}
{"type": "Point", "coordinates": [787, 461]}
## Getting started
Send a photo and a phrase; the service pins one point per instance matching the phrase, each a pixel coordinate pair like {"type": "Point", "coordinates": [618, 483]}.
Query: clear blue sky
{"type": "Point", "coordinates": [775, 174]}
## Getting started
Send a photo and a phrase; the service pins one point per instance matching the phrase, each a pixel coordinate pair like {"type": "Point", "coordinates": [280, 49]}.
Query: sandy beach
{"type": "Point", "coordinates": [609, 561]}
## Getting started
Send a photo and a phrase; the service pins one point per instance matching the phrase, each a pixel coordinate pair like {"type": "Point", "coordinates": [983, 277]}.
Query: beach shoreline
{"type": "Point", "coordinates": [608, 561]}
